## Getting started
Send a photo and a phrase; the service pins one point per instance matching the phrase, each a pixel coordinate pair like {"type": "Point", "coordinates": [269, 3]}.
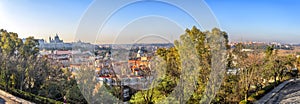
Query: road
{"type": "Point", "coordinates": [290, 94]}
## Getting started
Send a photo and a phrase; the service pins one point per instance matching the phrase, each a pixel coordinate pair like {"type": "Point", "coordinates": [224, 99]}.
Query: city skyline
{"type": "Point", "coordinates": [255, 20]}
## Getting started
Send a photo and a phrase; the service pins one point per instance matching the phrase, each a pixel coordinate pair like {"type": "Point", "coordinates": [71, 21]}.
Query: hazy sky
{"type": "Point", "coordinates": [262, 20]}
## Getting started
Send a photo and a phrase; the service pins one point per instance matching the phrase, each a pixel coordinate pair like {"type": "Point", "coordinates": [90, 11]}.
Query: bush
{"type": "Point", "coordinates": [260, 92]}
{"type": "Point", "coordinates": [252, 98]}
{"type": "Point", "coordinates": [269, 87]}
{"type": "Point", "coordinates": [243, 102]}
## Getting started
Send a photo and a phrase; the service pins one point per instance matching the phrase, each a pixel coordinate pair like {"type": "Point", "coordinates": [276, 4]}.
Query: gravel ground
{"type": "Point", "coordinates": [290, 94]}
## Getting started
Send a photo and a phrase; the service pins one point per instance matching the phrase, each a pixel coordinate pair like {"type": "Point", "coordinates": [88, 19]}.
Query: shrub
{"type": "Point", "coordinates": [243, 102]}
{"type": "Point", "coordinates": [252, 98]}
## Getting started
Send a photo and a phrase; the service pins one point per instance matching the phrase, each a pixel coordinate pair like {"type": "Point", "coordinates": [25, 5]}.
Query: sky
{"type": "Point", "coordinates": [243, 20]}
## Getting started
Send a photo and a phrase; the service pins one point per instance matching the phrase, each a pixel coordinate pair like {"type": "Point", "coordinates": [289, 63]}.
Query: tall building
{"type": "Point", "coordinates": [55, 40]}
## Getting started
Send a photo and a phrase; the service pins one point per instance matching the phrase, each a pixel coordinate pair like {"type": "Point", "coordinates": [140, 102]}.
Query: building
{"type": "Point", "coordinates": [55, 40]}
{"type": "Point", "coordinates": [57, 44]}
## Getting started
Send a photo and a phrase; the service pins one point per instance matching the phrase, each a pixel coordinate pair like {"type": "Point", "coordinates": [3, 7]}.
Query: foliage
{"type": "Point", "coordinates": [191, 54]}
{"type": "Point", "coordinates": [26, 74]}
{"type": "Point", "coordinates": [258, 73]}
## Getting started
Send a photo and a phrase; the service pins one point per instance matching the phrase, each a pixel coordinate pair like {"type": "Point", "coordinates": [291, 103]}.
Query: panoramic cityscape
{"type": "Point", "coordinates": [149, 51]}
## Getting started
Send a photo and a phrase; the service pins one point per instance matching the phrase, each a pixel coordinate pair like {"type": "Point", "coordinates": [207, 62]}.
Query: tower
{"type": "Point", "coordinates": [50, 39]}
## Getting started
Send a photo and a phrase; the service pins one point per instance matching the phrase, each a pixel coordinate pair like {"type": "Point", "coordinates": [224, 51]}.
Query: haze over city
{"type": "Point", "coordinates": [252, 20]}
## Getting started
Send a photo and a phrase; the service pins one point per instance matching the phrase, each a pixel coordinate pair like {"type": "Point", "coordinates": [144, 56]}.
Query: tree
{"type": "Point", "coordinates": [73, 94]}
{"type": "Point", "coordinates": [188, 68]}
{"type": "Point", "coordinates": [22, 68]}
{"type": "Point", "coordinates": [276, 66]}
{"type": "Point", "coordinates": [229, 91]}
{"type": "Point", "coordinates": [249, 69]}
{"type": "Point", "coordinates": [250, 72]}
{"type": "Point", "coordinates": [164, 84]}
{"type": "Point", "coordinates": [9, 45]}
{"type": "Point", "coordinates": [26, 54]}
{"type": "Point", "coordinates": [298, 63]}
{"type": "Point", "coordinates": [269, 51]}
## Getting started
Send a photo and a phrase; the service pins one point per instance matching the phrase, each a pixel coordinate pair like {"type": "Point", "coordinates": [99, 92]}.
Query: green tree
{"type": "Point", "coordinates": [158, 92]}
{"type": "Point", "coordinates": [22, 68]}
{"type": "Point", "coordinates": [269, 51]}
{"type": "Point", "coordinates": [298, 63]}
{"type": "Point", "coordinates": [249, 70]}
{"type": "Point", "coordinates": [9, 45]}
{"type": "Point", "coordinates": [191, 54]}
